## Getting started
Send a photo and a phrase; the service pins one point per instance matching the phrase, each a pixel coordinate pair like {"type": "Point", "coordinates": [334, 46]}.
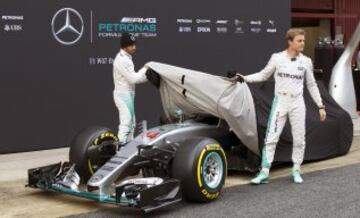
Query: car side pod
{"type": "Point", "coordinates": [149, 197]}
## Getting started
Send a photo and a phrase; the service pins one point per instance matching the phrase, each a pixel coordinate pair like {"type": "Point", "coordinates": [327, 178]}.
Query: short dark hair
{"type": "Point", "coordinates": [127, 40]}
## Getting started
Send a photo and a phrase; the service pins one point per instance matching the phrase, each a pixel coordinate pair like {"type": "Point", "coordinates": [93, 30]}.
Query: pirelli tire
{"type": "Point", "coordinates": [87, 150]}
{"type": "Point", "coordinates": [200, 164]}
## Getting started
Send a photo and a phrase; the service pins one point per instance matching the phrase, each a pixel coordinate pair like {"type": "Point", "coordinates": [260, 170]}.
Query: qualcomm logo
{"type": "Point", "coordinates": [67, 26]}
{"type": "Point", "coordinates": [222, 22]}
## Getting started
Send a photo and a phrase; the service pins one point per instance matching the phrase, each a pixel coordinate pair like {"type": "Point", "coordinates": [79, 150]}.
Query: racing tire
{"type": "Point", "coordinates": [89, 140]}
{"type": "Point", "coordinates": [200, 164]}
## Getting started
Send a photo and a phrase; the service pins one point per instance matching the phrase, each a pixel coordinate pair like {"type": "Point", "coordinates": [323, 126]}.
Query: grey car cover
{"type": "Point", "coordinates": [194, 92]}
{"type": "Point", "coordinates": [246, 110]}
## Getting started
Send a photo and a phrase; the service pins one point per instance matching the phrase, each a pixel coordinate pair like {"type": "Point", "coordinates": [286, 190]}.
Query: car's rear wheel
{"type": "Point", "coordinates": [91, 148]}
{"type": "Point", "coordinates": [200, 165]}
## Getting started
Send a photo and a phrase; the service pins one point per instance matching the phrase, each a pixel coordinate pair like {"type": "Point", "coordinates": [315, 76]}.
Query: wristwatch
{"type": "Point", "coordinates": [322, 107]}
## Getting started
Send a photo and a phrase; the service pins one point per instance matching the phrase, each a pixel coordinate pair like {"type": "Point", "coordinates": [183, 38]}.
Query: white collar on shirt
{"type": "Point", "coordinates": [123, 52]}
{"type": "Point", "coordinates": [287, 55]}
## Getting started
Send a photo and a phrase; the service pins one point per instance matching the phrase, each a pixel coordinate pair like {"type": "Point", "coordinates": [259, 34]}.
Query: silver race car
{"type": "Point", "coordinates": [187, 157]}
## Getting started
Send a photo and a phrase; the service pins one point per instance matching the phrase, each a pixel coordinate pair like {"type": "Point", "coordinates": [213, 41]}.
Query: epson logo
{"type": "Point", "coordinates": [184, 21]}
{"type": "Point", "coordinates": [203, 21]}
{"type": "Point", "coordinates": [255, 22]}
{"type": "Point", "coordinates": [138, 20]}
{"type": "Point", "coordinates": [203, 30]}
{"type": "Point", "coordinates": [12, 17]}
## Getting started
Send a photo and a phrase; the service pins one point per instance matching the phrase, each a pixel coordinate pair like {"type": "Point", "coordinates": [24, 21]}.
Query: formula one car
{"type": "Point", "coordinates": [188, 157]}
{"type": "Point", "coordinates": [180, 160]}
{"type": "Point", "coordinates": [212, 126]}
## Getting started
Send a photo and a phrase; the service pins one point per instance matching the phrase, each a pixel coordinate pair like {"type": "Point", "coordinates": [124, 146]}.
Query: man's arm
{"type": "Point", "coordinates": [264, 74]}
{"type": "Point", "coordinates": [314, 90]}
{"type": "Point", "coordinates": [130, 75]}
{"type": "Point", "coordinates": [311, 84]}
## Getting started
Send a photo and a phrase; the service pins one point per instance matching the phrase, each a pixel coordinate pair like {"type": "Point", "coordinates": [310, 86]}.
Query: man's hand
{"type": "Point", "coordinates": [322, 114]}
{"type": "Point", "coordinates": [153, 77]}
{"type": "Point", "coordinates": [240, 78]}
{"type": "Point", "coordinates": [231, 73]}
{"type": "Point", "coordinates": [235, 75]}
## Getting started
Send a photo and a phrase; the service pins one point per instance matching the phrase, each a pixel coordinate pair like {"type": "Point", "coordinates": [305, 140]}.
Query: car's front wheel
{"type": "Point", "coordinates": [200, 165]}
{"type": "Point", "coordinates": [91, 149]}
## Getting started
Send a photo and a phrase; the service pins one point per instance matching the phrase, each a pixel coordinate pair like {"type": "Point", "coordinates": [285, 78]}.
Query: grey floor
{"type": "Point", "coordinates": [331, 193]}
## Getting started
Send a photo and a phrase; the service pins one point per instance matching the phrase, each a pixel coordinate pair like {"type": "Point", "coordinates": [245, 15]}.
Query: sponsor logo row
{"type": "Point", "coordinates": [225, 26]}
{"type": "Point", "coordinates": [68, 26]}
{"type": "Point", "coordinates": [236, 22]}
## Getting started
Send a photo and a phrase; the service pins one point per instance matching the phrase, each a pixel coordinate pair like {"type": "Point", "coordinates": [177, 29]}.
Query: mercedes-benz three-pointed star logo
{"type": "Point", "coordinates": [76, 31]}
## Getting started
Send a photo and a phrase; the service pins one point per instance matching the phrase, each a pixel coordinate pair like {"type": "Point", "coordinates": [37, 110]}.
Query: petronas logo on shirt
{"type": "Point", "coordinates": [291, 76]}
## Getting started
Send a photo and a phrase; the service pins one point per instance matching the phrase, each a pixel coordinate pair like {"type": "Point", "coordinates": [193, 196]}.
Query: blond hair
{"type": "Point", "coordinates": [292, 32]}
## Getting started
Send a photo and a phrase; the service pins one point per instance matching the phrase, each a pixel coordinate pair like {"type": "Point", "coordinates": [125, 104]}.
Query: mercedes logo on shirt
{"type": "Point", "coordinates": [67, 26]}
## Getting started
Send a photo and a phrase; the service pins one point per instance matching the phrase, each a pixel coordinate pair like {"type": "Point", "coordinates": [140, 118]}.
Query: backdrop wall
{"type": "Point", "coordinates": [56, 76]}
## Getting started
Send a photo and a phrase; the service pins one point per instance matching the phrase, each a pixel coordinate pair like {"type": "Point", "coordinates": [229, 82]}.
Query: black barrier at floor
{"type": "Point", "coordinates": [356, 76]}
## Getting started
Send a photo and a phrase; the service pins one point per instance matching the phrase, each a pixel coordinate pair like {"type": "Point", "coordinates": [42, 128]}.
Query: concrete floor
{"type": "Point", "coordinates": [329, 193]}
{"type": "Point", "coordinates": [18, 201]}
